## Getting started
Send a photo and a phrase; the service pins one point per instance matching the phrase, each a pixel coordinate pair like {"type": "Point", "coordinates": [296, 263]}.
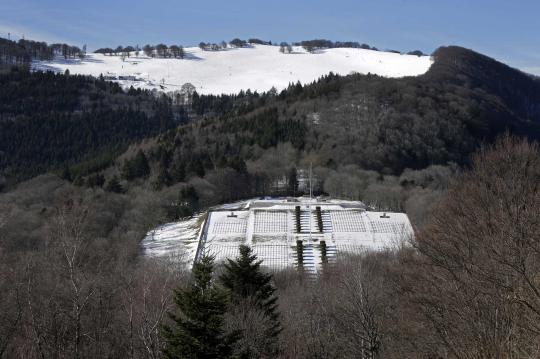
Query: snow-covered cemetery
{"type": "Point", "coordinates": [230, 70]}
{"type": "Point", "coordinates": [284, 232]}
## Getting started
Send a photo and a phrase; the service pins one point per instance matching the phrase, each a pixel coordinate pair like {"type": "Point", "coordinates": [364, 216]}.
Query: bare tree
{"type": "Point", "coordinates": [476, 279]}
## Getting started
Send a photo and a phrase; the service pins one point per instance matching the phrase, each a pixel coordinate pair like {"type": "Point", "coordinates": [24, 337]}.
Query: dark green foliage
{"type": "Point", "coordinates": [246, 282]}
{"type": "Point", "coordinates": [189, 197]}
{"type": "Point", "coordinates": [311, 45]}
{"type": "Point", "coordinates": [416, 53]}
{"type": "Point", "coordinates": [66, 174]}
{"type": "Point", "coordinates": [197, 329]}
{"type": "Point", "coordinates": [137, 167]}
{"type": "Point", "coordinates": [259, 41]}
{"type": "Point", "coordinates": [292, 182]}
{"type": "Point", "coordinates": [95, 180]}
{"type": "Point", "coordinates": [187, 205]}
{"type": "Point", "coordinates": [163, 179]}
{"type": "Point", "coordinates": [113, 185]}
{"type": "Point", "coordinates": [238, 43]}
{"type": "Point", "coordinates": [48, 121]}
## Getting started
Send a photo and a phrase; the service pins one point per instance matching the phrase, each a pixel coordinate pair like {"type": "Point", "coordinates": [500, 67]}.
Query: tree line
{"type": "Point", "coordinates": [22, 52]}
{"type": "Point", "coordinates": [159, 51]}
{"type": "Point", "coordinates": [174, 51]}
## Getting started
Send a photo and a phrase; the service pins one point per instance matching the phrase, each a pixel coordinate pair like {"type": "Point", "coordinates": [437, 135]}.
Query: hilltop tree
{"type": "Point", "coordinates": [177, 51]}
{"type": "Point", "coordinates": [161, 50]}
{"type": "Point", "coordinates": [238, 42]}
{"type": "Point", "coordinates": [252, 296]}
{"type": "Point", "coordinates": [197, 328]}
{"type": "Point", "coordinates": [285, 48]}
{"type": "Point", "coordinates": [148, 50]}
{"type": "Point", "coordinates": [127, 50]}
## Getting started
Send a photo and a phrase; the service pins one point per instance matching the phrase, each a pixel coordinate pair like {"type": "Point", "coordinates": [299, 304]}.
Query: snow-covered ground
{"type": "Point", "coordinates": [259, 67]}
{"type": "Point", "coordinates": [176, 239]}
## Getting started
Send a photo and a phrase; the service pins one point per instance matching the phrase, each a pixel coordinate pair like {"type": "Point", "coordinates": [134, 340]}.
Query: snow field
{"type": "Point", "coordinates": [259, 67]}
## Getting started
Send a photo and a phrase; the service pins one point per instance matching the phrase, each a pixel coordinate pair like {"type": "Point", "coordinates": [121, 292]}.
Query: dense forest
{"type": "Point", "coordinates": [113, 163]}
{"type": "Point", "coordinates": [48, 120]}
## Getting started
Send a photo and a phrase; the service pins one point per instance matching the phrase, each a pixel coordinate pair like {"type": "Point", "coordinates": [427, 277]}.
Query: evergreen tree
{"type": "Point", "coordinates": [198, 326]}
{"type": "Point", "coordinates": [163, 178]}
{"type": "Point", "coordinates": [292, 182]}
{"type": "Point", "coordinates": [148, 50]}
{"type": "Point", "coordinates": [114, 185]}
{"type": "Point", "coordinates": [137, 167]}
{"type": "Point", "coordinates": [95, 180]}
{"type": "Point", "coordinates": [142, 168]}
{"type": "Point", "coordinates": [245, 281]}
{"type": "Point", "coordinates": [66, 174]}
{"type": "Point", "coordinates": [188, 197]}
{"type": "Point", "coordinates": [128, 172]}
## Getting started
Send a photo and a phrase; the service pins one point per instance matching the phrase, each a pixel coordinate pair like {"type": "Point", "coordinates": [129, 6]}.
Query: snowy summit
{"type": "Point", "coordinates": [258, 67]}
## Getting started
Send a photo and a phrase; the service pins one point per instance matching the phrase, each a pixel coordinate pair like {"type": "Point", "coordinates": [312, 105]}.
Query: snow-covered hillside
{"type": "Point", "coordinates": [259, 68]}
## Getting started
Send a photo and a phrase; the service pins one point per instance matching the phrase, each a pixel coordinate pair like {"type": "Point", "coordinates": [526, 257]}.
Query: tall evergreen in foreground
{"type": "Point", "coordinates": [198, 325]}
{"type": "Point", "coordinates": [250, 287]}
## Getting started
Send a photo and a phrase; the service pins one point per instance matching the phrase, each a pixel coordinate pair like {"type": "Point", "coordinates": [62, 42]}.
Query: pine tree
{"type": "Point", "coordinates": [128, 171]}
{"type": "Point", "coordinates": [188, 197]}
{"type": "Point", "coordinates": [245, 281]}
{"type": "Point", "coordinates": [198, 326]}
{"type": "Point", "coordinates": [292, 182]}
{"type": "Point", "coordinates": [114, 185]}
{"type": "Point", "coordinates": [140, 165]}
{"type": "Point", "coordinates": [66, 174]}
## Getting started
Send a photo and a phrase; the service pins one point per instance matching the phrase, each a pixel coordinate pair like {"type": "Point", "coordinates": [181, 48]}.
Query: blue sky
{"type": "Point", "coordinates": [507, 30]}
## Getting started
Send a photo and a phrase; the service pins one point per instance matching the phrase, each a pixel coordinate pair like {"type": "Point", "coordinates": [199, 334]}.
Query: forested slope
{"type": "Point", "coordinates": [48, 120]}
{"type": "Point", "coordinates": [375, 123]}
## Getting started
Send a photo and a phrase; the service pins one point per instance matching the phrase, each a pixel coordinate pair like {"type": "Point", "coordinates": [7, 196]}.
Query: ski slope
{"type": "Point", "coordinates": [258, 68]}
